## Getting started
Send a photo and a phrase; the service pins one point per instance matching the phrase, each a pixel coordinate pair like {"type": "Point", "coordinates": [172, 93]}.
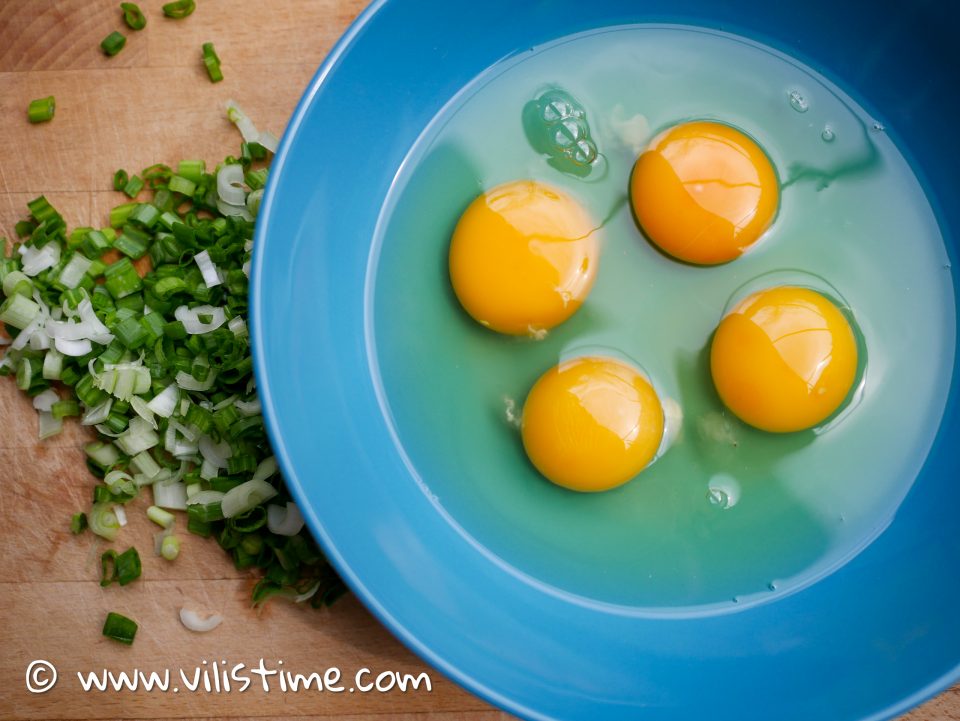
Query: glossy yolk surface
{"type": "Point", "coordinates": [591, 424]}
{"type": "Point", "coordinates": [784, 359]}
{"type": "Point", "coordinates": [703, 192]}
{"type": "Point", "coordinates": [523, 257]}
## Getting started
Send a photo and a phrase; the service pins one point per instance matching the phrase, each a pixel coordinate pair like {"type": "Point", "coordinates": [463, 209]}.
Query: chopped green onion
{"type": "Point", "coordinates": [95, 244]}
{"type": "Point", "coordinates": [122, 278]}
{"type": "Point", "coordinates": [119, 215]}
{"type": "Point", "coordinates": [120, 179]}
{"type": "Point", "coordinates": [160, 516]}
{"type": "Point", "coordinates": [143, 462]}
{"type": "Point", "coordinates": [18, 311]}
{"type": "Point", "coordinates": [245, 496]}
{"type": "Point", "coordinates": [156, 176]}
{"type": "Point", "coordinates": [103, 454]}
{"type": "Point", "coordinates": [53, 365]}
{"type": "Point", "coordinates": [212, 62]}
{"type": "Point", "coordinates": [170, 547]}
{"type": "Point", "coordinates": [41, 110]}
{"type": "Point", "coordinates": [120, 628]}
{"type": "Point", "coordinates": [179, 9]}
{"type": "Point", "coordinates": [24, 228]}
{"type": "Point", "coordinates": [157, 357]}
{"type": "Point", "coordinates": [103, 521]}
{"type": "Point", "coordinates": [17, 282]}
{"type": "Point", "coordinates": [133, 186]}
{"type": "Point", "coordinates": [121, 568]}
{"type": "Point", "coordinates": [78, 523]}
{"type": "Point", "coordinates": [180, 184]}
{"type": "Point", "coordinates": [130, 245]}
{"type": "Point", "coordinates": [64, 408]}
{"type": "Point", "coordinates": [192, 170]}
{"type": "Point", "coordinates": [113, 43]}
{"type": "Point", "coordinates": [133, 16]}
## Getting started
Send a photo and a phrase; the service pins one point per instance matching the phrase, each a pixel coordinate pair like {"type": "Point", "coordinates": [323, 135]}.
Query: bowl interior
{"type": "Point", "coordinates": [885, 620]}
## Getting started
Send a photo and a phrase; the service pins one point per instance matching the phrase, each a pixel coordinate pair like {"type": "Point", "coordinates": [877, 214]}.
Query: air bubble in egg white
{"type": "Point", "coordinates": [723, 491]}
{"type": "Point", "coordinates": [798, 102]}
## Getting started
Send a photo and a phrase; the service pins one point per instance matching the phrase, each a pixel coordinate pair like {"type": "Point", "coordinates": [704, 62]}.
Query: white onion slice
{"type": "Point", "coordinates": [37, 260]}
{"type": "Point", "coordinates": [284, 520]}
{"type": "Point", "coordinates": [74, 270]}
{"type": "Point", "coordinates": [269, 140]}
{"type": "Point", "coordinates": [191, 321]}
{"type": "Point", "coordinates": [216, 454]}
{"type": "Point", "coordinates": [44, 401]}
{"type": "Point", "coordinates": [138, 437]}
{"type": "Point", "coordinates": [121, 515]}
{"type": "Point", "coordinates": [239, 211]}
{"type": "Point", "coordinates": [208, 470]}
{"type": "Point", "coordinates": [142, 409]}
{"type": "Point", "coordinates": [205, 497]}
{"type": "Point", "coordinates": [73, 348]}
{"type": "Point", "coordinates": [189, 383]}
{"type": "Point", "coordinates": [97, 414]}
{"type": "Point", "coordinates": [48, 425]}
{"type": "Point", "coordinates": [172, 496]}
{"type": "Point", "coordinates": [242, 498]}
{"type": "Point", "coordinates": [39, 341]}
{"type": "Point", "coordinates": [6, 341]}
{"type": "Point", "coordinates": [99, 333]}
{"type": "Point", "coordinates": [249, 408]}
{"type": "Point", "coordinates": [40, 321]}
{"type": "Point", "coordinates": [267, 467]}
{"type": "Point", "coordinates": [239, 118]}
{"type": "Point", "coordinates": [224, 403]}
{"type": "Point", "coordinates": [230, 184]}
{"type": "Point", "coordinates": [211, 276]}
{"type": "Point", "coordinates": [238, 325]}
{"type": "Point", "coordinates": [191, 619]}
{"type": "Point", "coordinates": [165, 402]}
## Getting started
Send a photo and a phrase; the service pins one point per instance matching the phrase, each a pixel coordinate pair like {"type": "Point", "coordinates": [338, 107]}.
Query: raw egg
{"type": "Point", "coordinates": [523, 257]}
{"type": "Point", "coordinates": [591, 423]}
{"type": "Point", "coordinates": [704, 192]}
{"type": "Point", "coordinates": [784, 359]}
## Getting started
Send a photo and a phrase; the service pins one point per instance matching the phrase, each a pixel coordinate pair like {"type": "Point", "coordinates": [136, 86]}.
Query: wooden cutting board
{"type": "Point", "coordinates": [153, 103]}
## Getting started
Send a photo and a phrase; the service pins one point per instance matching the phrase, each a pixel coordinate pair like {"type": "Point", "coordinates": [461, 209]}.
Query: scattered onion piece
{"type": "Point", "coordinates": [191, 619]}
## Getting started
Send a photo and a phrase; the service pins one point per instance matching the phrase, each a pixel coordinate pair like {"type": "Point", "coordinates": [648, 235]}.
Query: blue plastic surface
{"type": "Point", "coordinates": [871, 640]}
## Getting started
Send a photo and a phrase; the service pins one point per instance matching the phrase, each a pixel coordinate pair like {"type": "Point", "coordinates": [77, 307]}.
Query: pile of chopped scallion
{"type": "Point", "coordinates": [139, 330]}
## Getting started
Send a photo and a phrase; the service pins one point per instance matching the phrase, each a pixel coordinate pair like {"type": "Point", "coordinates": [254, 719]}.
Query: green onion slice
{"type": "Point", "coordinates": [179, 9]}
{"type": "Point", "coordinates": [41, 110]}
{"type": "Point", "coordinates": [133, 16]}
{"type": "Point", "coordinates": [113, 43]}
{"type": "Point", "coordinates": [119, 628]}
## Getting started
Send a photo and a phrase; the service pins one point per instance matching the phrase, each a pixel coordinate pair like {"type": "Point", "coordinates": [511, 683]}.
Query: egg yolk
{"type": "Point", "coordinates": [591, 424]}
{"type": "Point", "coordinates": [523, 257]}
{"type": "Point", "coordinates": [784, 359]}
{"type": "Point", "coordinates": [704, 192]}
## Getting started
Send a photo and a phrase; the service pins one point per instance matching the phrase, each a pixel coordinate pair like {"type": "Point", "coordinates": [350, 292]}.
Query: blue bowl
{"type": "Point", "coordinates": [867, 642]}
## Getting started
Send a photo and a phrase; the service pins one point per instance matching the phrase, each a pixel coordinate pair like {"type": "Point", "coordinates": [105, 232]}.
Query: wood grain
{"type": "Point", "coordinates": [154, 103]}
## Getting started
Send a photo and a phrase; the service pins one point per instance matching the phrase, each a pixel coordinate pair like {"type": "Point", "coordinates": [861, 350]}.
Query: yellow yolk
{"type": "Point", "coordinates": [703, 192]}
{"type": "Point", "coordinates": [591, 424]}
{"type": "Point", "coordinates": [784, 359]}
{"type": "Point", "coordinates": [523, 257]}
